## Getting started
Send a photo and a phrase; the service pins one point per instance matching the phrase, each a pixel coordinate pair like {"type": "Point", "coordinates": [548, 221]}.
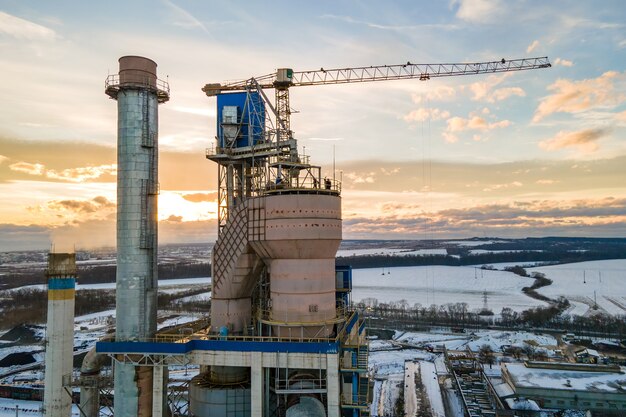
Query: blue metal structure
{"type": "Point", "coordinates": [240, 119]}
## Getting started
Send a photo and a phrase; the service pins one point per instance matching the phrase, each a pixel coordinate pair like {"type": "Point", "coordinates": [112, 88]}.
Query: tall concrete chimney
{"type": "Point", "coordinates": [138, 93]}
{"type": "Point", "coordinates": [61, 277]}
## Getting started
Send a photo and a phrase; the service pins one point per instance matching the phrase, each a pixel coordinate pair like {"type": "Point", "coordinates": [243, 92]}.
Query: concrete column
{"type": "Point", "coordinates": [157, 391]}
{"type": "Point", "coordinates": [332, 384]}
{"type": "Point", "coordinates": [256, 384]}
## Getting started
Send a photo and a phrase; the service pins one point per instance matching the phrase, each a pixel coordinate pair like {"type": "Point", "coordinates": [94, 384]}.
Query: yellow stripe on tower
{"type": "Point", "coordinates": [67, 294]}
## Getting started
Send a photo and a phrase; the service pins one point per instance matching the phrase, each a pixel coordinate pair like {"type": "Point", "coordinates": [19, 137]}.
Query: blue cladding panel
{"type": "Point", "coordinates": [217, 345]}
{"type": "Point", "coordinates": [346, 272]}
{"type": "Point", "coordinates": [61, 283]}
{"type": "Point", "coordinates": [352, 322]}
{"type": "Point", "coordinates": [251, 114]}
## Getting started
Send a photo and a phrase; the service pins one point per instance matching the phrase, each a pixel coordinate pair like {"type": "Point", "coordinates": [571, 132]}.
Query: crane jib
{"type": "Point", "coordinates": [284, 78]}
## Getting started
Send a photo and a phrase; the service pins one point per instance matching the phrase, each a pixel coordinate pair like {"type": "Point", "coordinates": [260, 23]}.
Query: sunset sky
{"type": "Point", "coordinates": [534, 153]}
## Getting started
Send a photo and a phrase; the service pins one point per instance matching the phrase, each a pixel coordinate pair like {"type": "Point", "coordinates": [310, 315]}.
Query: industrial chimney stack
{"type": "Point", "coordinates": [138, 93]}
{"type": "Point", "coordinates": [61, 277]}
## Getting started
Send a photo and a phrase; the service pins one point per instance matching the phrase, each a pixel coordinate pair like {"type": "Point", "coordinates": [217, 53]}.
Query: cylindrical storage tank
{"type": "Point", "coordinates": [137, 70]}
{"type": "Point", "coordinates": [307, 407]}
{"type": "Point", "coordinates": [299, 240]}
{"type": "Point", "coordinates": [137, 98]}
{"type": "Point", "coordinates": [207, 400]}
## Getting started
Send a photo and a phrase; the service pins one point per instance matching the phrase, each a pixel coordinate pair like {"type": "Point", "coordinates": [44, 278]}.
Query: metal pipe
{"type": "Point", "coordinates": [89, 390]}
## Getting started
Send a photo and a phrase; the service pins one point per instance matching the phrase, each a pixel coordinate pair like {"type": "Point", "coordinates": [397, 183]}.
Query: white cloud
{"type": "Point", "coordinates": [423, 114]}
{"type": "Point", "coordinates": [23, 29]}
{"type": "Point", "coordinates": [182, 18]}
{"type": "Point", "coordinates": [478, 11]}
{"type": "Point", "coordinates": [622, 44]}
{"type": "Point", "coordinates": [563, 62]}
{"type": "Point", "coordinates": [3, 158]}
{"type": "Point", "coordinates": [532, 46]}
{"type": "Point", "coordinates": [439, 93]}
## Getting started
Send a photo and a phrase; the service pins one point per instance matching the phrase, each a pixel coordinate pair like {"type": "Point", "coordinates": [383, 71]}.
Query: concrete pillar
{"type": "Point", "coordinates": [332, 384]}
{"type": "Point", "coordinates": [256, 384]}
{"type": "Point", "coordinates": [157, 391]}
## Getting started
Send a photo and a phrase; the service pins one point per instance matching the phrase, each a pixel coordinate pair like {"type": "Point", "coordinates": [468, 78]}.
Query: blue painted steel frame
{"type": "Point", "coordinates": [215, 345]}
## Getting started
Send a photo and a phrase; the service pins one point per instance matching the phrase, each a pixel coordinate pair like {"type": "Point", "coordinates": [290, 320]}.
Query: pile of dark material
{"type": "Point", "coordinates": [23, 334]}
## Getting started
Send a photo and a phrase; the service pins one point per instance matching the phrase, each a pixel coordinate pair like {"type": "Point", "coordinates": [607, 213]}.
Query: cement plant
{"type": "Point", "coordinates": [295, 323]}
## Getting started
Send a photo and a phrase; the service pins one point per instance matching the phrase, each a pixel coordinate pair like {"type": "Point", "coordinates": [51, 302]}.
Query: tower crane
{"type": "Point", "coordinates": [239, 161]}
{"type": "Point", "coordinates": [284, 78]}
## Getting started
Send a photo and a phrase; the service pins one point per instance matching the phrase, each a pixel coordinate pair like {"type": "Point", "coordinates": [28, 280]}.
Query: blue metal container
{"type": "Point", "coordinates": [240, 119]}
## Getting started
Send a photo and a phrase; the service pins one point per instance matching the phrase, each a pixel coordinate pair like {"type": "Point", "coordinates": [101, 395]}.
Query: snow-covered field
{"type": "Point", "coordinates": [493, 338]}
{"type": "Point", "coordinates": [584, 283]}
{"type": "Point", "coordinates": [439, 285]}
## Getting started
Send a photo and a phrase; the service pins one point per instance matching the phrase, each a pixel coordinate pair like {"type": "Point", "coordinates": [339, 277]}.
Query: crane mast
{"type": "Point", "coordinates": [240, 166]}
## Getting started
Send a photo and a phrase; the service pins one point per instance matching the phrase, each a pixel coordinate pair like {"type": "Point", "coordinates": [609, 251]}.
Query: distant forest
{"type": "Point", "coordinates": [545, 250]}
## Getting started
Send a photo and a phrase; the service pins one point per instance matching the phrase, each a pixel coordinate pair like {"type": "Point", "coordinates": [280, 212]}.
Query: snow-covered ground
{"type": "Point", "coordinates": [439, 285]}
{"type": "Point", "coordinates": [484, 251]}
{"type": "Point", "coordinates": [585, 283]}
{"type": "Point", "coordinates": [431, 385]}
{"type": "Point", "coordinates": [494, 338]}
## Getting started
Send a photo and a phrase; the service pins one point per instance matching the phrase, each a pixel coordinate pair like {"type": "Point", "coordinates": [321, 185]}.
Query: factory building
{"type": "Point", "coordinates": [552, 385]}
{"type": "Point", "coordinates": [282, 339]}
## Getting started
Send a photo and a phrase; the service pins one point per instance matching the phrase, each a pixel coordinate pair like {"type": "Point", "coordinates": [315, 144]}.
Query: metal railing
{"type": "Point", "coordinates": [205, 335]}
{"type": "Point", "coordinates": [112, 85]}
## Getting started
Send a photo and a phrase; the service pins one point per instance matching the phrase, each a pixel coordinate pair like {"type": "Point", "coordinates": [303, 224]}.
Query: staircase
{"type": "Point", "coordinates": [362, 355]}
{"type": "Point", "coordinates": [231, 244]}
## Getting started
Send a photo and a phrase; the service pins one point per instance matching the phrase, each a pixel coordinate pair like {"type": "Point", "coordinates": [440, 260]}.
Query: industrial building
{"type": "Point", "coordinates": [555, 385]}
{"type": "Point", "coordinates": [282, 338]}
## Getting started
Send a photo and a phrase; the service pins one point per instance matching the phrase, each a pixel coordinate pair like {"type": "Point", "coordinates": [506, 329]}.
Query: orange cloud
{"type": "Point", "coordinates": [80, 174]}
{"type": "Point", "coordinates": [459, 124]}
{"type": "Point", "coordinates": [200, 197]}
{"type": "Point", "coordinates": [487, 91]}
{"type": "Point", "coordinates": [174, 219]}
{"type": "Point", "coordinates": [584, 140]}
{"type": "Point", "coordinates": [81, 206]}
{"type": "Point", "coordinates": [576, 96]}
